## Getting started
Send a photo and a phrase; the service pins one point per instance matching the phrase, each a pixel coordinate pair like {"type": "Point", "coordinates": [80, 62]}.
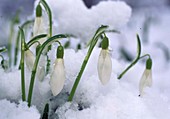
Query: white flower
{"type": "Point", "coordinates": [30, 59]}
{"type": "Point", "coordinates": [57, 77]}
{"type": "Point", "coordinates": [39, 28]}
{"type": "Point", "coordinates": [104, 66]}
{"type": "Point", "coordinates": [40, 73]}
{"type": "Point", "coordinates": [146, 81]}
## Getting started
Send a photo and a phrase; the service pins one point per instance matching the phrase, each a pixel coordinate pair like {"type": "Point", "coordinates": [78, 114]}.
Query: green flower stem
{"type": "Point", "coordinates": [31, 42]}
{"type": "Point", "coordinates": [22, 65]}
{"type": "Point", "coordinates": [3, 50]}
{"type": "Point", "coordinates": [35, 39]}
{"type": "Point", "coordinates": [18, 40]}
{"type": "Point", "coordinates": [48, 10]}
{"type": "Point", "coordinates": [146, 55]}
{"type": "Point", "coordinates": [94, 40]}
{"type": "Point", "coordinates": [46, 111]}
{"type": "Point", "coordinates": [34, 70]}
{"type": "Point", "coordinates": [136, 59]}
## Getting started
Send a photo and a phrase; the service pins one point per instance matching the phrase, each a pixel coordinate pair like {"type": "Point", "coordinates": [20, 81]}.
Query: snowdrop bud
{"type": "Point", "coordinates": [38, 11]}
{"type": "Point", "coordinates": [57, 77]}
{"type": "Point", "coordinates": [146, 79]}
{"type": "Point", "coordinates": [60, 52]}
{"type": "Point", "coordinates": [149, 63]}
{"type": "Point", "coordinates": [58, 74]}
{"type": "Point", "coordinates": [29, 59]}
{"type": "Point", "coordinates": [105, 43]}
{"type": "Point", "coordinates": [104, 62]}
{"type": "Point", "coordinates": [39, 25]}
{"type": "Point", "coordinates": [104, 66]}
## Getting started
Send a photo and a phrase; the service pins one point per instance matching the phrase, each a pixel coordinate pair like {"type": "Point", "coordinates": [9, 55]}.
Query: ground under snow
{"type": "Point", "coordinates": [117, 100]}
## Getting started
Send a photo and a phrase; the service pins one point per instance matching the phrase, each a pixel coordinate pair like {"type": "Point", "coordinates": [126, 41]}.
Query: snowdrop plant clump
{"type": "Point", "coordinates": [58, 77]}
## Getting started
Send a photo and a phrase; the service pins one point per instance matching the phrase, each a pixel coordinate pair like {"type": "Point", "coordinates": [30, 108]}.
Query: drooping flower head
{"type": "Point", "coordinates": [104, 62]}
{"type": "Point", "coordinates": [146, 79]}
{"type": "Point", "coordinates": [30, 59]}
{"type": "Point", "coordinates": [39, 26]}
{"type": "Point", "coordinates": [58, 74]}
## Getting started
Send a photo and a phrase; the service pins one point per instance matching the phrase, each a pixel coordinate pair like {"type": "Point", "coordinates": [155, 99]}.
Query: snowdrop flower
{"type": "Point", "coordinates": [39, 26]}
{"type": "Point", "coordinates": [104, 62]}
{"type": "Point", "coordinates": [146, 79]}
{"type": "Point", "coordinates": [58, 74]}
{"type": "Point", "coordinates": [29, 59]}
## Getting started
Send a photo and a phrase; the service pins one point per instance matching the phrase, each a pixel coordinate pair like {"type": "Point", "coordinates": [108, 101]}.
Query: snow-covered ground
{"type": "Point", "coordinates": [119, 98]}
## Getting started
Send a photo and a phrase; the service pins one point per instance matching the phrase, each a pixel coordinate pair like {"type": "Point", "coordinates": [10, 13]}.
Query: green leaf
{"type": "Point", "coordinates": [3, 49]}
{"type": "Point", "coordinates": [46, 111]}
{"type": "Point", "coordinates": [138, 47]}
{"type": "Point", "coordinates": [36, 39]}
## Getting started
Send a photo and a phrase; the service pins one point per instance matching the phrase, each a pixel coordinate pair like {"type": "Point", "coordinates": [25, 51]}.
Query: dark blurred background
{"type": "Point", "coordinates": [9, 7]}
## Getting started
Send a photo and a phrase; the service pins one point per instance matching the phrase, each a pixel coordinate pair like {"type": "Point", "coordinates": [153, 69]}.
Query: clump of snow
{"type": "Point", "coordinates": [10, 85]}
{"type": "Point", "coordinates": [73, 17]}
{"type": "Point", "coordinates": [17, 111]}
{"type": "Point", "coordinates": [118, 99]}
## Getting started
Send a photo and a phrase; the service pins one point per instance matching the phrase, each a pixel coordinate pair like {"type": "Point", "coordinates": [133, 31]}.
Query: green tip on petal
{"type": "Point", "coordinates": [60, 52]}
{"type": "Point", "coordinates": [149, 63]}
{"type": "Point", "coordinates": [38, 11]}
{"type": "Point", "coordinates": [37, 48]}
{"type": "Point", "coordinates": [105, 43]}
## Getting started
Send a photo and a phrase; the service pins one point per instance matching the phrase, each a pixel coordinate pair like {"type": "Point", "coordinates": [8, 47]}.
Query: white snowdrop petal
{"type": "Point", "coordinates": [39, 28]}
{"type": "Point", "coordinates": [149, 80]}
{"type": "Point", "coordinates": [29, 59]}
{"type": "Point", "coordinates": [40, 73]}
{"type": "Point", "coordinates": [146, 80]}
{"type": "Point", "coordinates": [104, 66]}
{"type": "Point", "coordinates": [57, 77]}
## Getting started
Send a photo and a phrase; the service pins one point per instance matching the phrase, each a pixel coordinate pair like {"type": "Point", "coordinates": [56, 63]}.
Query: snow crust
{"type": "Point", "coordinates": [116, 100]}
{"type": "Point", "coordinates": [17, 111]}
{"type": "Point", "coordinates": [73, 17]}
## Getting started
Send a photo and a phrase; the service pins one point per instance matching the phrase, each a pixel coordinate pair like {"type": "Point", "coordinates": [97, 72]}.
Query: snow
{"type": "Point", "coordinates": [119, 98]}
{"type": "Point", "coordinates": [17, 111]}
{"type": "Point", "coordinates": [10, 85]}
{"type": "Point", "coordinates": [82, 22]}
